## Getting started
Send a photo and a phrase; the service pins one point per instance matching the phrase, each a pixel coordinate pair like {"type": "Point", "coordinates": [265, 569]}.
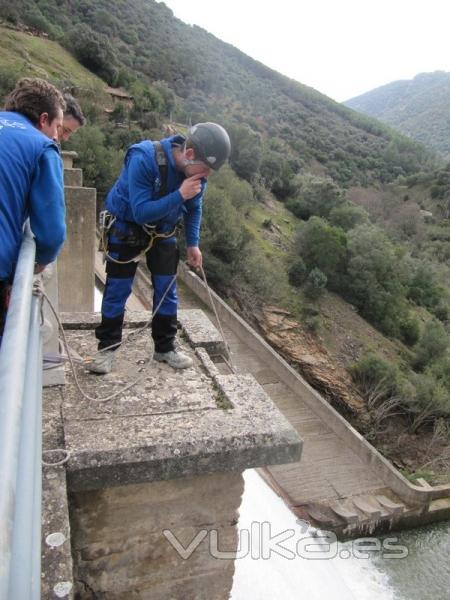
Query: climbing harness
{"type": "Point", "coordinates": [140, 233]}
{"type": "Point", "coordinates": [106, 222]}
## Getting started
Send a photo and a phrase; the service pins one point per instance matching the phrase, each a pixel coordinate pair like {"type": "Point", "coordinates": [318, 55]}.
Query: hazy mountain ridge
{"type": "Point", "coordinates": [419, 108]}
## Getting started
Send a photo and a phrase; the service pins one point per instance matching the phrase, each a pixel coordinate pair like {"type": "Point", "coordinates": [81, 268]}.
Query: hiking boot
{"type": "Point", "coordinates": [102, 362]}
{"type": "Point", "coordinates": [174, 358]}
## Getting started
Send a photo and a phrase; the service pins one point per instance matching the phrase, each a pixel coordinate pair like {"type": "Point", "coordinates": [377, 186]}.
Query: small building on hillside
{"type": "Point", "coordinates": [120, 96]}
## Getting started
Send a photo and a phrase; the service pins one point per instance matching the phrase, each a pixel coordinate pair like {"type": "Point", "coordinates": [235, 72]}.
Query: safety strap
{"type": "Point", "coordinates": [162, 166]}
{"type": "Point", "coordinates": [161, 161]}
{"type": "Point", "coordinates": [153, 237]}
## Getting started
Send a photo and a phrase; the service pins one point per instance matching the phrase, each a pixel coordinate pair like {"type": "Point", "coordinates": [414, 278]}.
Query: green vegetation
{"type": "Point", "coordinates": [418, 108]}
{"type": "Point", "coordinates": [283, 223]}
{"type": "Point", "coordinates": [23, 55]}
{"type": "Point", "coordinates": [422, 397]}
{"type": "Point", "coordinates": [279, 127]}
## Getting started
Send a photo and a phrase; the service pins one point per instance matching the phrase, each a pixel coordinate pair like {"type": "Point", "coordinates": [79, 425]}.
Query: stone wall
{"type": "Point", "coordinates": [76, 270]}
{"type": "Point", "coordinates": [121, 553]}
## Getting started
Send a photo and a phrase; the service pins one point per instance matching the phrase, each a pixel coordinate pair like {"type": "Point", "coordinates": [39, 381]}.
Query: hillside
{"type": "Point", "coordinates": [419, 108]}
{"type": "Point", "coordinates": [328, 217]}
{"type": "Point", "coordinates": [133, 42]}
{"type": "Point", "coordinates": [27, 55]}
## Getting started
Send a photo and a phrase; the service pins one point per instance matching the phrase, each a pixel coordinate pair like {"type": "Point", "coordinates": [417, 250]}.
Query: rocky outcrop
{"type": "Point", "coordinates": [305, 352]}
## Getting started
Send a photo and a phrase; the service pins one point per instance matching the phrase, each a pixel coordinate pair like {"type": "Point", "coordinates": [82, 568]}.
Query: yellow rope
{"type": "Point", "coordinates": [137, 258]}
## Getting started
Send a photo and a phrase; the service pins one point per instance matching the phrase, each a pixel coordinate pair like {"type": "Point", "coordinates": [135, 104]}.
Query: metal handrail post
{"type": "Point", "coordinates": [13, 354]}
{"type": "Point", "coordinates": [25, 546]}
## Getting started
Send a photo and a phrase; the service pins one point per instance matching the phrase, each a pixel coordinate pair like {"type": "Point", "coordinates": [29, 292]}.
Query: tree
{"type": "Point", "coordinates": [94, 51]}
{"type": "Point", "coordinates": [314, 196]}
{"type": "Point", "coordinates": [297, 273]}
{"type": "Point", "coordinates": [348, 215]}
{"type": "Point", "coordinates": [245, 151]}
{"type": "Point", "coordinates": [377, 278]}
{"type": "Point", "coordinates": [323, 247]}
{"type": "Point", "coordinates": [100, 163]}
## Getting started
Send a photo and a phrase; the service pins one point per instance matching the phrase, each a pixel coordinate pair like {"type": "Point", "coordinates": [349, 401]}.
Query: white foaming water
{"type": "Point", "coordinates": [300, 574]}
{"type": "Point", "coordinates": [97, 300]}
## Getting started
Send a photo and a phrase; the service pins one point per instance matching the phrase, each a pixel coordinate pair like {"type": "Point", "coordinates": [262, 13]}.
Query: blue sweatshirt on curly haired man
{"type": "Point", "coordinates": [31, 186]}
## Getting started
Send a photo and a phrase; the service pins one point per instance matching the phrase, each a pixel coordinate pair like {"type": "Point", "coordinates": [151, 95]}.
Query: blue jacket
{"type": "Point", "coordinates": [134, 196]}
{"type": "Point", "coordinates": [31, 185]}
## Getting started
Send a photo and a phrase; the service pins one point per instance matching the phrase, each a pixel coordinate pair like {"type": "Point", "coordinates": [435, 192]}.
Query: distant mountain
{"type": "Point", "coordinates": [419, 108]}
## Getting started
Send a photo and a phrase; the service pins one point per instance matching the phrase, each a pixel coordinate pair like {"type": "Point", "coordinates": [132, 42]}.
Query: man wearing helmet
{"type": "Point", "coordinates": [160, 184]}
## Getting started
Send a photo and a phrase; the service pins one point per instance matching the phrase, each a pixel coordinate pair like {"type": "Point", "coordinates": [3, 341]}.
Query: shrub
{"type": "Point", "coordinates": [297, 273]}
{"type": "Point", "coordinates": [347, 216]}
{"type": "Point", "coordinates": [315, 284]}
{"type": "Point", "coordinates": [423, 288]}
{"type": "Point", "coordinates": [410, 330]}
{"type": "Point", "coordinates": [430, 401]}
{"type": "Point", "coordinates": [311, 318]}
{"type": "Point", "coordinates": [440, 370]}
{"type": "Point", "coordinates": [432, 345]}
{"type": "Point", "coordinates": [323, 247]}
{"type": "Point", "coordinates": [314, 196]}
{"type": "Point", "coordinates": [371, 371]}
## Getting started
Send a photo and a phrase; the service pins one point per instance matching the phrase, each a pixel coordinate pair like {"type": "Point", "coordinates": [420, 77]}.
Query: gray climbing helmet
{"type": "Point", "coordinates": [211, 144]}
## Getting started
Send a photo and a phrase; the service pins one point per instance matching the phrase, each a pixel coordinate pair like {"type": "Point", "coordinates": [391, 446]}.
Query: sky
{"type": "Point", "coordinates": [341, 48]}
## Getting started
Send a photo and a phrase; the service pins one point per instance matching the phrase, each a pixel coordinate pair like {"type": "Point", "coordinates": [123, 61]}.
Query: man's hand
{"type": "Point", "coordinates": [191, 186]}
{"type": "Point", "coordinates": [38, 268]}
{"type": "Point", "coordinates": [194, 257]}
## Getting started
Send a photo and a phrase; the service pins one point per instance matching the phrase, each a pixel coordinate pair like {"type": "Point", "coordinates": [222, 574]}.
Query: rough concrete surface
{"type": "Point", "coordinates": [167, 453]}
{"type": "Point", "coordinates": [125, 539]}
{"type": "Point", "coordinates": [57, 578]}
{"type": "Point", "coordinates": [170, 424]}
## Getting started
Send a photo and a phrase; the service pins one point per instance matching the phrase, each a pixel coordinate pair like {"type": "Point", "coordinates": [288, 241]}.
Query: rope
{"type": "Point", "coordinates": [153, 236]}
{"type": "Point", "coordinates": [38, 289]}
{"type": "Point", "coordinates": [59, 462]}
{"type": "Point", "coordinates": [228, 361]}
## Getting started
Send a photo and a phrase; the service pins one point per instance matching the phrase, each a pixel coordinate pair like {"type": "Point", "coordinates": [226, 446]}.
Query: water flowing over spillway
{"type": "Point", "coordinates": [341, 572]}
{"type": "Point", "coordinates": [292, 577]}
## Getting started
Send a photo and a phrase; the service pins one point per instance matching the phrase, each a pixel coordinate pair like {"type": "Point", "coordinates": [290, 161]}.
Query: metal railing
{"type": "Point", "coordinates": [21, 436]}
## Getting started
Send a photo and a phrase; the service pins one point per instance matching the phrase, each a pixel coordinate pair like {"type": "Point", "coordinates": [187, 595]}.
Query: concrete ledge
{"type": "Point", "coordinates": [200, 332]}
{"type": "Point", "coordinates": [170, 424]}
{"type": "Point", "coordinates": [394, 479]}
{"type": "Point", "coordinates": [68, 156]}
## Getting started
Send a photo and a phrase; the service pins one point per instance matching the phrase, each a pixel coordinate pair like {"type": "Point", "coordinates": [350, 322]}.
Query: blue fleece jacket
{"type": "Point", "coordinates": [31, 185]}
{"type": "Point", "coordinates": [134, 196]}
